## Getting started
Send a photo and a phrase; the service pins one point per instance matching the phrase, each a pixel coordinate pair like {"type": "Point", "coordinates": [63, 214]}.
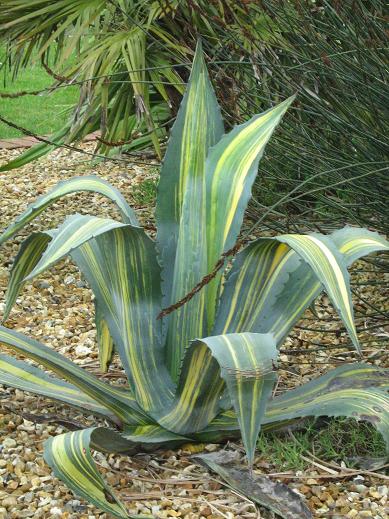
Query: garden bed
{"type": "Point", "coordinates": [56, 309]}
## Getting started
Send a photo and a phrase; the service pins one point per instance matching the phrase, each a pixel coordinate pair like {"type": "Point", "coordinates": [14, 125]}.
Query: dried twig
{"type": "Point", "coordinates": [206, 279]}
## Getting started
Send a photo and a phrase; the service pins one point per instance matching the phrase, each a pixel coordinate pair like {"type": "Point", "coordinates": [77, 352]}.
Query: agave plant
{"type": "Point", "coordinates": [206, 371]}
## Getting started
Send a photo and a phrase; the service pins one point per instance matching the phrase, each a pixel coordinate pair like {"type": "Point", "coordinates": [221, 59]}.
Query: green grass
{"type": "Point", "coordinates": [339, 440]}
{"type": "Point", "coordinates": [145, 193]}
{"type": "Point", "coordinates": [42, 114]}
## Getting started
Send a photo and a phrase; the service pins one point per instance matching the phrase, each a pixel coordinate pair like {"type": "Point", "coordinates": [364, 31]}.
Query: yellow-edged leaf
{"type": "Point", "coordinates": [120, 402]}
{"type": "Point", "coordinates": [240, 362]}
{"type": "Point", "coordinates": [231, 168]}
{"type": "Point", "coordinates": [20, 375]}
{"type": "Point", "coordinates": [181, 210]}
{"type": "Point", "coordinates": [65, 187]}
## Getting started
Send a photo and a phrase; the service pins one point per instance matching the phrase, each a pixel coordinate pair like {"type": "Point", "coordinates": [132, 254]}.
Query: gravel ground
{"type": "Point", "coordinates": [56, 309]}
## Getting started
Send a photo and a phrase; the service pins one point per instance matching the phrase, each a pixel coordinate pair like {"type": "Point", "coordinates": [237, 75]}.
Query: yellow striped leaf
{"type": "Point", "coordinates": [65, 187]}
{"type": "Point", "coordinates": [104, 339]}
{"type": "Point", "coordinates": [354, 243]}
{"type": "Point", "coordinates": [270, 286]}
{"type": "Point", "coordinates": [331, 270]}
{"type": "Point", "coordinates": [181, 209]}
{"type": "Point", "coordinates": [358, 391]}
{"type": "Point", "coordinates": [258, 276]}
{"type": "Point", "coordinates": [242, 363]}
{"type": "Point", "coordinates": [121, 268]}
{"type": "Point", "coordinates": [231, 168]}
{"type": "Point", "coordinates": [154, 435]}
{"type": "Point", "coordinates": [119, 263]}
{"type": "Point", "coordinates": [120, 402]}
{"type": "Point", "coordinates": [28, 256]}
{"type": "Point", "coordinates": [74, 231]}
{"type": "Point", "coordinates": [70, 458]}
{"type": "Point", "coordinates": [20, 375]}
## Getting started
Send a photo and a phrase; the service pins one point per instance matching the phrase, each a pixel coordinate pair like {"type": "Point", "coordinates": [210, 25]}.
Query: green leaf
{"type": "Point", "coordinates": [331, 270]}
{"type": "Point", "coordinates": [104, 339]}
{"type": "Point", "coordinates": [181, 209]}
{"type": "Point", "coordinates": [87, 183]}
{"type": "Point", "coordinates": [120, 402]}
{"type": "Point", "coordinates": [231, 168]}
{"type": "Point", "coordinates": [73, 232]}
{"type": "Point", "coordinates": [356, 391]}
{"type": "Point", "coordinates": [20, 375]}
{"type": "Point", "coordinates": [70, 458]}
{"type": "Point", "coordinates": [28, 256]}
{"type": "Point", "coordinates": [269, 286]}
{"type": "Point", "coordinates": [243, 363]}
{"type": "Point", "coordinates": [121, 268]}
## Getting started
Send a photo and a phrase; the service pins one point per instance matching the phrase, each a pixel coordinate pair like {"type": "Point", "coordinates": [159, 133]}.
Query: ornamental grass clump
{"type": "Point", "coordinates": [206, 371]}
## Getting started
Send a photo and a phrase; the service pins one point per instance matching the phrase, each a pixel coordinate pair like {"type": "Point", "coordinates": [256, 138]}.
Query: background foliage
{"type": "Point", "coordinates": [330, 163]}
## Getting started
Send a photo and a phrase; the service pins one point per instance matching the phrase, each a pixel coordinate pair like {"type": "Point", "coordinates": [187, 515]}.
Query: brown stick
{"type": "Point", "coordinates": [61, 79]}
{"type": "Point", "coordinates": [206, 279]}
{"type": "Point", "coordinates": [13, 95]}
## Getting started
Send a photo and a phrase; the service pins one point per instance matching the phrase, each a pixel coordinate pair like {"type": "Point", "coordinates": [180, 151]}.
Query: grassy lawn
{"type": "Point", "coordinates": [42, 114]}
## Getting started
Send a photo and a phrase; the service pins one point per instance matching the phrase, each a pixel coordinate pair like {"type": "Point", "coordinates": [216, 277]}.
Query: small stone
{"type": "Point", "coordinates": [19, 395]}
{"type": "Point", "coordinates": [10, 501]}
{"type": "Point", "coordinates": [43, 284]}
{"type": "Point", "coordinates": [26, 513]}
{"type": "Point", "coordinates": [35, 481]}
{"type": "Point", "coordinates": [330, 501]}
{"type": "Point", "coordinates": [55, 510]}
{"type": "Point", "coordinates": [82, 351]}
{"type": "Point", "coordinates": [28, 497]}
{"type": "Point", "coordinates": [9, 443]}
{"type": "Point", "coordinates": [352, 513]}
{"type": "Point", "coordinates": [211, 447]}
{"type": "Point", "coordinates": [304, 489]}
